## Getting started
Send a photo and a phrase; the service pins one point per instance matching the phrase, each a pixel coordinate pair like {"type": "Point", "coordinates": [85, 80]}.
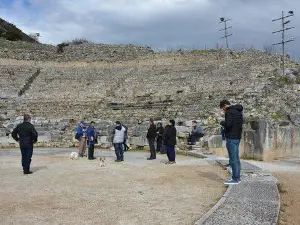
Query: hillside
{"type": "Point", "coordinates": [10, 32]}
{"type": "Point", "coordinates": [127, 81]}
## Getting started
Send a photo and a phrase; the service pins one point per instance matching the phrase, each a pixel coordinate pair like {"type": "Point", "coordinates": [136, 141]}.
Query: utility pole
{"type": "Point", "coordinates": [283, 41]}
{"type": "Point", "coordinates": [226, 35]}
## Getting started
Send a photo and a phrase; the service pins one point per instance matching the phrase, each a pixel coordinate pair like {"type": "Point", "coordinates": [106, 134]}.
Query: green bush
{"type": "Point", "coordinates": [12, 35]}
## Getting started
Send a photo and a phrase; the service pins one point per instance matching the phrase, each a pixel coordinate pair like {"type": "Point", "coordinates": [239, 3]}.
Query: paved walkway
{"type": "Point", "coordinates": [255, 201]}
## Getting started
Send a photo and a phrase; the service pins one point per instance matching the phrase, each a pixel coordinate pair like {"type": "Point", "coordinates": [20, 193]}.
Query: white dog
{"type": "Point", "coordinates": [103, 162]}
{"type": "Point", "coordinates": [73, 155]}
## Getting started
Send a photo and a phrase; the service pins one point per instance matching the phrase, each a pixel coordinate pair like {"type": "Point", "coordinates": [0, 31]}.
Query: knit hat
{"type": "Point", "coordinates": [172, 122]}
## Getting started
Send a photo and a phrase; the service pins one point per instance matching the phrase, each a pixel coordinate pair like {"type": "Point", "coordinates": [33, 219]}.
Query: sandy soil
{"type": "Point", "coordinates": [290, 197]}
{"type": "Point", "coordinates": [63, 191]}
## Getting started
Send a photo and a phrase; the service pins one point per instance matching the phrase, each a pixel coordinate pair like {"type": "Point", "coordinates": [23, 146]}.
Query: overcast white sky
{"type": "Point", "coordinates": [161, 24]}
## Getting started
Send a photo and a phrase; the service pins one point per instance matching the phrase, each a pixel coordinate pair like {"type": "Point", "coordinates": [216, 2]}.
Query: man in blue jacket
{"type": "Point", "coordinates": [91, 133]}
{"type": "Point", "coordinates": [233, 127]}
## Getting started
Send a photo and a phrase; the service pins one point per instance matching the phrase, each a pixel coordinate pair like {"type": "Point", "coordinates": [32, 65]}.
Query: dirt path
{"type": "Point", "coordinates": [137, 191]}
{"type": "Point", "coordinates": [290, 197]}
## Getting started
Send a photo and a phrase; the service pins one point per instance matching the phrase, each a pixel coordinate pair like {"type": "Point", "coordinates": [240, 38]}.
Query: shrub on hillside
{"type": "Point", "coordinates": [60, 47]}
{"type": "Point", "coordinates": [11, 35]}
{"type": "Point", "coordinates": [79, 41]}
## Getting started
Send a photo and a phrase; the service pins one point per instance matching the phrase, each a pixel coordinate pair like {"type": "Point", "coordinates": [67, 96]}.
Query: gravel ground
{"type": "Point", "coordinates": [63, 191]}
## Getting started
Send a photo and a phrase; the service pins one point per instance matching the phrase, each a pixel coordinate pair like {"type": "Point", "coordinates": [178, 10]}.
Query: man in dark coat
{"type": "Point", "coordinates": [26, 135]}
{"type": "Point", "coordinates": [91, 134]}
{"type": "Point", "coordinates": [169, 138]}
{"type": "Point", "coordinates": [151, 135]}
{"type": "Point", "coordinates": [233, 127]}
{"type": "Point", "coordinates": [159, 139]}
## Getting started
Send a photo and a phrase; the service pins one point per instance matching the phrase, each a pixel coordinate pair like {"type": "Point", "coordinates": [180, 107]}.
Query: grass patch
{"type": "Point", "coordinates": [276, 116]}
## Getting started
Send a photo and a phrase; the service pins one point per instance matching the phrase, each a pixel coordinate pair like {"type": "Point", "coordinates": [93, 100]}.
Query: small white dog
{"type": "Point", "coordinates": [103, 162]}
{"type": "Point", "coordinates": [73, 155]}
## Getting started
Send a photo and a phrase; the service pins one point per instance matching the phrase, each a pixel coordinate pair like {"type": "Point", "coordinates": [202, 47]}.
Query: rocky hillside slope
{"type": "Point", "coordinates": [127, 81]}
{"type": "Point", "coordinates": [10, 32]}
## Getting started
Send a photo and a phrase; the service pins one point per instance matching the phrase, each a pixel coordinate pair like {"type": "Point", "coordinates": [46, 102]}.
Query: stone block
{"type": "Point", "coordinates": [214, 141]}
{"type": "Point", "coordinates": [138, 141]}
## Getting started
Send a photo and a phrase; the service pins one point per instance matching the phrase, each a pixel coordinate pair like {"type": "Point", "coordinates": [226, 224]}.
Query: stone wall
{"type": "Point", "coordinates": [131, 83]}
{"type": "Point", "coordinates": [61, 132]}
{"type": "Point", "coordinates": [264, 140]}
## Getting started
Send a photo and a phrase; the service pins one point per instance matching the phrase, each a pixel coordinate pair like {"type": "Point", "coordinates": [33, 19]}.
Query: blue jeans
{"type": "Point", "coordinates": [232, 146]}
{"type": "Point", "coordinates": [26, 152]}
{"type": "Point", "coordinates": [171, 153]}
{"type": "Point", "coordinates": [119, 151]}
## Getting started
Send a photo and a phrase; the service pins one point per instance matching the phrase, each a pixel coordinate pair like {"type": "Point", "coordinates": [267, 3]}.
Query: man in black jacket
{"type": "Point", "coordinates": [151, 135]}
{"type": "Point", "coordinates": [170, 141]}
{"type": "Point", "coordinates": [26, 135]}
{"type": "Point", "coordinates": [233, 127]}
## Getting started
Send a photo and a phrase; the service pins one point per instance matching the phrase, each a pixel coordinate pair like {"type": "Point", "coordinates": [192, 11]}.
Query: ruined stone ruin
{"type": "Point", "coordinates": [129, 83]}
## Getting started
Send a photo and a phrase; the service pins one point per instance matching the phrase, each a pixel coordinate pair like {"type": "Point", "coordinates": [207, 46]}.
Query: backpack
{"type": "Point", "coordinates": [77, 136]}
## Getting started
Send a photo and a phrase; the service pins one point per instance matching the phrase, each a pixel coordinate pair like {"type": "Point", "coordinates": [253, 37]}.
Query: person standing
{"type": "Point", "coordinates": [26, 135]}
{"type": "Point", "coordinates": [151, 135]}
{"type": "Point", "coordinates": [118, 140]}
{"type": "Point", "coordinates": [91, 134]}
{"type": "Point", "coordinates": [125, 138]}
{"type": "Point", "coordinates": [159, 139]}
{"type": "Point", "coordinates": [233, 127]}
{"type": "Point", "coordinates": [169, 138]}
{"type": "Point", "coordinates": [197, 133]}
{"type": "Point", "coordinates": [81, 137]}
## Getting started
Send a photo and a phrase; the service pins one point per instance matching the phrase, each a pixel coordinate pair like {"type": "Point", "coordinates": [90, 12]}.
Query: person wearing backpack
{"type": "Point", "coordinates": [81, 137]}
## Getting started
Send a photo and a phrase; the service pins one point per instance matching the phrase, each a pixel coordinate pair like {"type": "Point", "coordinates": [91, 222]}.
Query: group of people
{"type": "Point", "coordinates": [26, 135]}
{"type": "Point", "coordinates": [86, 137]}
{"type": "Point", "coordinates": [89, 137]}
{"type": "Point", "coordinates": [165, 138]}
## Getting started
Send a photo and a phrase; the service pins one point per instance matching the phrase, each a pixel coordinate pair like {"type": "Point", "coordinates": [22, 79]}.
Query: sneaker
{"type": "Point", "coordinates": [170, 162]}
{"type": "Point", "coordinates": [232, 182]}
{"type": "Point", "coordinates": [27, 172]}
{"type": "Point", "coordinates": [151, 158]}
{"type": "Point", "coordinates": [117, 160]}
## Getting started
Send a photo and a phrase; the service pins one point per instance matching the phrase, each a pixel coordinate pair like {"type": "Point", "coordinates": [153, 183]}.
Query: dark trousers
{"type": "Point", "coordinates": [125, 146]}
{"type": "Point", "coordinates": [26, 152]}
{"type": "Point", "coordinates": [158, 143]}
{"type": "Point", "coordinates": [194, 137]}
{"type": "Point", "coordinates": [232, 146]}
{"type": "Point", "coordinates": [91, 151]}
{"type": "Point", "coordinates": [152, 148]}
{"type": "Point", "coordinates": [119, 151]}
{"type": "Point", "coordinates": [171, 153]}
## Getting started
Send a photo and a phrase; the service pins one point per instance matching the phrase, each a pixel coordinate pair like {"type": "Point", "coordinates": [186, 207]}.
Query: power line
{"type": "Point", "coordinates": [282, 31]}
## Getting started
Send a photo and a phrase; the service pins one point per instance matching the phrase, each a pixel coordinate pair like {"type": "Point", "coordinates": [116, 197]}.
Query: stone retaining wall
{"type": "Point", "coordinates": [264, 140]}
